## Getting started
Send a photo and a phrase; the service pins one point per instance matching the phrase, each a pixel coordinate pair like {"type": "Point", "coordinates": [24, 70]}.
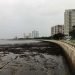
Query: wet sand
{"type": "Point", "coordinates": [32, 59]}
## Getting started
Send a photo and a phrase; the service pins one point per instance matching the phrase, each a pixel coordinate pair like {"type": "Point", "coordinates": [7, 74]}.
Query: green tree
{"type": "Point", "coordinates": [72, 34]}
{"type": "Point", "coordinates": [58, 36]}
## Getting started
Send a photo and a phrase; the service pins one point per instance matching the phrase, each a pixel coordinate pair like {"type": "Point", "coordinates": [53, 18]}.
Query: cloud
{"type": "Point", "coordinates": [23, 16]}
{"type": "Point", "coordinates": [69, 4]}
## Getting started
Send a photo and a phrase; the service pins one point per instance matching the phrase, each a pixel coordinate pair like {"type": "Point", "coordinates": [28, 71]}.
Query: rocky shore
{"type": "Point", "coordinates": [32, 59]}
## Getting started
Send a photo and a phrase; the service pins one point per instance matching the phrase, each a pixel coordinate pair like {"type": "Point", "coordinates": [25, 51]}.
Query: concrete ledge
{"type": "Point", "coordinates": [69, 52]}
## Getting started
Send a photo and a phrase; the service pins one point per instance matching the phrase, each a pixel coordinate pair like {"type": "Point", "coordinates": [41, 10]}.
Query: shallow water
{"type": "Point", "coordinates": [4, 42]}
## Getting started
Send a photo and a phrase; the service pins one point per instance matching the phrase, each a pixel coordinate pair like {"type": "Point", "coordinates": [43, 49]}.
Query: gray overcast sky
{"type": "Point", "coordinates": [23, 16]}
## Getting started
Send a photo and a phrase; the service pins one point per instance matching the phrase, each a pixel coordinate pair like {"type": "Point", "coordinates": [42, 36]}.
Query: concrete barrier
{"type": "Point", "coordinates": [69, 53]}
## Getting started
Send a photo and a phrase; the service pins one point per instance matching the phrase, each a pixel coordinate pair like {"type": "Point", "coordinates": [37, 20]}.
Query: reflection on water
{"type": "Point", "coordinates": [32, 62]}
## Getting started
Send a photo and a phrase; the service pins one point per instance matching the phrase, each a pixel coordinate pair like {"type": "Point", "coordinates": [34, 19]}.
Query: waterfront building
{"type": "Point", "coordinates": [24, 35]}
{"type": "Point", "coordinates": [35, 34]}
{"type": "Point", "coordinates": [57, 29]}
{"type": "Point", "coordinates": [30, 35]}
{"type": "Point", "coordinates": [69, 21]}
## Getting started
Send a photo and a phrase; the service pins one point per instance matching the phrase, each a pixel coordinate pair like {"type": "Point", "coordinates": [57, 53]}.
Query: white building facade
{"type": "Point", "coordinates": [57, 29]}
{"type": "Point", "coordinates": [69, 21]}
{"type": "Point", "coordinates": [35, 34]}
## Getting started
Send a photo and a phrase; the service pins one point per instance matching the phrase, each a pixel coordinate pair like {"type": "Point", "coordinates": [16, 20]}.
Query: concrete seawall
{"type": "Point", "coordinates": [69, 53]}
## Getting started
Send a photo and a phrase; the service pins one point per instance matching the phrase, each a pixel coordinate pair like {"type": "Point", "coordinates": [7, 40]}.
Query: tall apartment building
{"type": "Point", "coordinates": [35, 34]}
{"type": "Point", "coordinates": [57, 29]}
{"type": "Point", "coordinates": [69, 21]}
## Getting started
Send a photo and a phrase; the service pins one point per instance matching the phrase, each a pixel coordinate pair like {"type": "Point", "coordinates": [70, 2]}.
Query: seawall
{"type": "Point", "coordinates": [69, 53]}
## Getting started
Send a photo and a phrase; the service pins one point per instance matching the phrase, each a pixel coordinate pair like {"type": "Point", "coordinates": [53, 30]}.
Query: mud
{"type": "Point", "coordinates": [32, 59]}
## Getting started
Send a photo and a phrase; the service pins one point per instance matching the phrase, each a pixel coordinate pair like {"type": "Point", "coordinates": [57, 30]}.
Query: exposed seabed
{"type": "Point", "coordinates": [32, 59]}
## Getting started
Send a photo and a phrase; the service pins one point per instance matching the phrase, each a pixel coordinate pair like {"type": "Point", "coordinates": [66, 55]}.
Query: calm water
{"type": "Point", "coordinates": [3, 42]}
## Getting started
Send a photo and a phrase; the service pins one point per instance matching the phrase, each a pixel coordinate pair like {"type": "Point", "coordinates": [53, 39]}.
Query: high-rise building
{"type": "Point", "coordinates": [69, 21]}
{"type": "Point", "coordinates": [35, 34]}
{"type": "Point", "coordinates": [30, 35]}
{"type": "Point", "coordinates": [24, 35]}
{"type": "Point", "coordinates": [57, 29]}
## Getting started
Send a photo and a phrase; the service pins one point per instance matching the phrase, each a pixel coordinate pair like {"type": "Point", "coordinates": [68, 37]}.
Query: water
{"type": "Point", "coordinates": [32, 60]}
{"type": "Point", "coordinates": [4, 42]}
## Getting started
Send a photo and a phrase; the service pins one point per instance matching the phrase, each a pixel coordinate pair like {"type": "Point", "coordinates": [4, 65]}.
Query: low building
{"type": "Point", "coordinates": [57, 29]}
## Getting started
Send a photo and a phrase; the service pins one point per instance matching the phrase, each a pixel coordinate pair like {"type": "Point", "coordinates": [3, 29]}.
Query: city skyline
{"type": "Point", "coordinates": [23, 16]}
{"type": "Point", "coordinates": [32, 34]}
